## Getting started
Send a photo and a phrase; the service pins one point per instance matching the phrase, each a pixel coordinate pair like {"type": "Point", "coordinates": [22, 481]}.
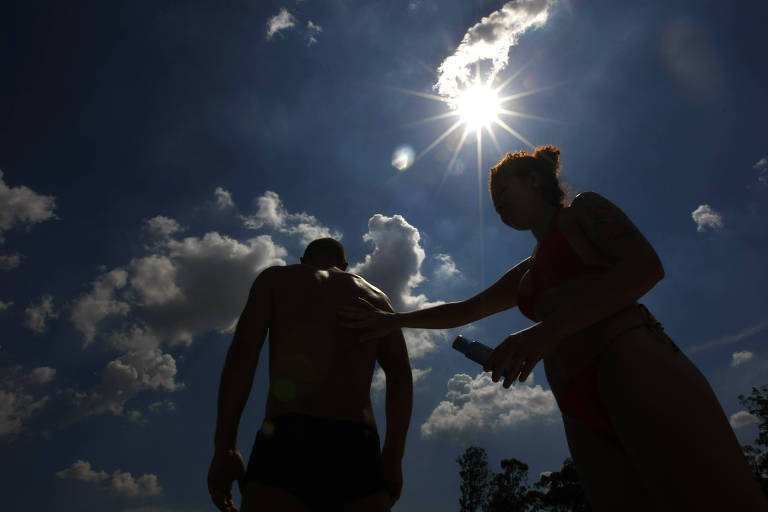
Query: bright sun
{"type": "Point", "coordinates": [478, 107]}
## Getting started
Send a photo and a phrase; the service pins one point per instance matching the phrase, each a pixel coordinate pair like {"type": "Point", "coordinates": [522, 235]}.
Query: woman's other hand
{"type": "Point", "coordinates": [377, 322]}
{"type": "Point", "coordinates": [519, 353]}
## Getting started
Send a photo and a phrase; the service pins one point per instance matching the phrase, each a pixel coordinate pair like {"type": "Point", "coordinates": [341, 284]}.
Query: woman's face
{"type": "Point", "coordinates": [512, 197]}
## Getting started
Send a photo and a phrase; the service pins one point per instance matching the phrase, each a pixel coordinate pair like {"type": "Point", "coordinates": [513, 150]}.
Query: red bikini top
{"type": "Point", "coordinates": [554, 263]}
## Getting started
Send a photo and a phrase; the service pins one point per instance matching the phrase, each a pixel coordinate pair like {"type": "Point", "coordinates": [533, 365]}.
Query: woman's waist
{"type": "Point", "coordinates": [579, 350]}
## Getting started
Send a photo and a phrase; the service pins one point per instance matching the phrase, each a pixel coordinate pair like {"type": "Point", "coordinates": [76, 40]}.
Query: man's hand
{"type": "Point", "coordinates": [226, 467]}
{"type": "Point", "coordinates": [393, 479]}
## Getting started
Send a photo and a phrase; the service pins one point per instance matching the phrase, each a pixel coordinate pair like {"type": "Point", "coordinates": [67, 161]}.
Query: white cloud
{"type": "Point", "coordinates": [394, 266]}
{"type": "Point", "coordinates": [36, 316]}
{"type": "Point", "coordinates": [41, 375]}
{"type": "Point", "coordinates": [729, 339]}
{"type": "Point", "coordinates": [164, 405]}
{"type": "Point", "coordinates": [5, 305]}
{"type": "Point", "coordinates": [270, 212]}
{"type": "Point", "coordinates": [21, 205]}
{"type": "Point", "coordinates": [447, 268]}
{"type": "Point", "coordinates": [81, 470]}
{"type": "Point", "coordinates": [475, 405]}
{"type": "Point", "coordinates": [762, 166]}
{"type": "Point", "coordinates": [154, 279]}
{"type": "Point", "coordinates": [223, 198]}
{"type": "Point", "coordinates": [490, 40]}
{"type": "Point", "coordinates": [163, 226]}
{"type": "Point", "coordinates": [741, 357]}
{"type": "Point", "coordinates": [379, 381]}
{"type": "Point", "coordinates": [283, 20]}
{"type": "Point", "coordinates": [122, 483]}
{"type": "Point", "coordinates": [9, 261]}
{"type": "Point", "coordinates": [313, 30]}
{"type": "Point", "coordinates": [743, 419]}
{"type": "Point", "coordinates": [90, 308]}
{"type": "Point", "coordinates": [705, 217]}
{"type": "Point", "coordinates": [17, 403]}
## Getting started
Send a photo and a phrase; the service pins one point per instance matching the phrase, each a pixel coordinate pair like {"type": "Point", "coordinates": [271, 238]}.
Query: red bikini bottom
{"type": "Point", "coordinates": [581, 400]}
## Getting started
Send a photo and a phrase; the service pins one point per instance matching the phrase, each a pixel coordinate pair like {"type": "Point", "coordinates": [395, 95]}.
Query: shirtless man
{"type": "Point", "coordinates": [318, 448]}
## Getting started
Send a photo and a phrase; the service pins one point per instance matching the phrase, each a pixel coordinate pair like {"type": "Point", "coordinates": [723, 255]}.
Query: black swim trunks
{"type": "Point", "coordinates": [323, 462]}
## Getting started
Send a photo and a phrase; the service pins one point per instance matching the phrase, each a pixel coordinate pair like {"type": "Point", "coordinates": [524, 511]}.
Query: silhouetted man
{"type": "Point", "coordinates": [318, 448]}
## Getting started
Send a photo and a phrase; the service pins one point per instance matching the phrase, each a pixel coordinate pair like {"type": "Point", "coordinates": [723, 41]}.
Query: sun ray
{"type": "Point", "coordinates": [493, 138]}
{"type": "Point", "coordinates": [514, 133]}
{"type": "Point", "coordinates": [439, 139]}
{"type": "Point", "coordinates": [432, 118]}
{"type": "Point", "coordinates": [479, 135]}
{"type": "Point", "coordinates": [527, 116]}
{"type": "Point", "coordinates": [526, 93]}
{"type": "Point", "coordinates": [434, 97]}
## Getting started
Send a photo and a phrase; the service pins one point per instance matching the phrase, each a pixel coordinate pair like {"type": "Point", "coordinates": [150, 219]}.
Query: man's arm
{"type": "Point", "coordinates": [393, 359]}
{"type": "Point", "coordinates": [242, 359]}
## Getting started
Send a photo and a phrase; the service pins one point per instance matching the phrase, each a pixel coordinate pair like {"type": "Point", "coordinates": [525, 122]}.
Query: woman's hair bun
{"type": "Point", "coordinates": [551, 155]}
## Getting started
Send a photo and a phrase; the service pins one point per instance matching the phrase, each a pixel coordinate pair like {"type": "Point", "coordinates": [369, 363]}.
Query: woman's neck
{"type": "Point", "coordinates": [542, 221]}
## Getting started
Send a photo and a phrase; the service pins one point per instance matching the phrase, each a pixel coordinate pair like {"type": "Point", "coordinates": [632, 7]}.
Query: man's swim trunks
{"type": "Point", "coordinates": [323, 462]}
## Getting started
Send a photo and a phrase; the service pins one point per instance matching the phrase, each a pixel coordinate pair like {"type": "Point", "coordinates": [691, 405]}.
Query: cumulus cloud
{"type": "Point", "coordinates": [283, 20]}
{"type": "Point", "coordinates": [394, 266]}
{"type": "Point", "coordinates": [743, 419]}
{"type": "Point", "coordinates": [81, 470]}
{"type": "Point", "coordinates": [313, 29]}
{"type": "Point", "coordinates": [474, 405]}
{"type": "Point", "coordinates": [447, 268]}
{"type": "Point", "coordinates": [18, 402]}
{"type": "Point", "coordinates": [37, 316]}
{"type": "Point", "coordinates": [9, 261]}
{"type": "Point", "coordinates": [154, 279]}
{"type": "Point", "coordinates": [741, 357]}
{"type": "Point", "coordinates": [271, 213]}
{"type": "Point", "coordinates": [91, 308]}
{"type": "Point", "coordinates": [21, 205]}
{"type": "Point", "coordinates": [123, 484]}
{"type": "Point", "coordinates": [162, 226]}
{"type": "Point", "coordinates": [490, 40]}
{"type": "Point", "coordinates": [762, 166]}
{"type": "Point", "coordinates": [120, 483]}
{"type": "Point", "coordinates": [5, 305]}
{"type": "Point", "coordinates": [705, 217]}
{"type": "Point", "coordinates": [379, 382]}
{"type": "Point", "coordinates": [163, 405]}
{"type": "Point", "coordinates": [223, 198]}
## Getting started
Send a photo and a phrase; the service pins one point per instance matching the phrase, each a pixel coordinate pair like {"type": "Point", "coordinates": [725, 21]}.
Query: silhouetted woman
{"type": "Point", "coordinates": [644, 428]}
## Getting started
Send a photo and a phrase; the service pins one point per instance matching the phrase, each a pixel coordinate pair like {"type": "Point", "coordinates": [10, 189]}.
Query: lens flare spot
{"type": "Point", "coordinates": [268, 428]}
{"type": "Point", "coordinates": [284, 389]}
{"type": "Point", "coordinates": [403, 157]}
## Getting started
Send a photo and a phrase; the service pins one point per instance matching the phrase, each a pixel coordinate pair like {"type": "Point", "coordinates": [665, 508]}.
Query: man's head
{"type": "Point", "coordinates": [324, 253]}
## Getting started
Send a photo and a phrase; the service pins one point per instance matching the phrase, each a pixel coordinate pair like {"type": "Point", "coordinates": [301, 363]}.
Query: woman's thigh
{"type": "Point", "coordinates": [610, 481]}
{"type": "Point", "coordinates": [673, 428]}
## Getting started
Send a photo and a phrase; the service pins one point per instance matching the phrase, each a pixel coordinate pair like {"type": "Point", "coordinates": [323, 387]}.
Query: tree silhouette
{"type": "Point", "coordinates": [757, 404]}
{"type": "Point", "coordinates": [474, 479]}
{"type": "Point", "coordinates": [508, 491]}
{"type": "Point", "coordinates": [561, 491]}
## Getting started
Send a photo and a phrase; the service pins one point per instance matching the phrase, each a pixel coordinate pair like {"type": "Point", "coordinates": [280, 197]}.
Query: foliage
{"type": "Point", "coordinates": [757, 405]}
{"type": "Point", "coordinates": [508, 491]}
{"type": "Point", "coordinates": [474, 479]}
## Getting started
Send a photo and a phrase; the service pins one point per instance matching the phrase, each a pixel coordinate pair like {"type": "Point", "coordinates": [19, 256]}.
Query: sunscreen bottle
{"type": "Point", "coordinates": [474, 350]}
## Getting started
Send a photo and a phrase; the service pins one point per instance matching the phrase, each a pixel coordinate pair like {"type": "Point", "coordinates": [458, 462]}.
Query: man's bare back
{"type": "Point", "coordinates": [320, 379]}
{"type": "Point", "coordinates": [316, 366]}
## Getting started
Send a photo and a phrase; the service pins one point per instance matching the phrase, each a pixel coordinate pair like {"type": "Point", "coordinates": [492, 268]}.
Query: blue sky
{"type": "Point", "coordinates": [156, 156]}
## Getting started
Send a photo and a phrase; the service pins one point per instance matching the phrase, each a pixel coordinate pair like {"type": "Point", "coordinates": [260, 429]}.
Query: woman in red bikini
{"type": "Point", "coordinates": [644, 428]}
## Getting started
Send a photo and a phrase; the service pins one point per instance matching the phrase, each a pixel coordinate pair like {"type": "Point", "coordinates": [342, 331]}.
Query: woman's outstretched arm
{"type": "Point", "coordinates": [499, 296]}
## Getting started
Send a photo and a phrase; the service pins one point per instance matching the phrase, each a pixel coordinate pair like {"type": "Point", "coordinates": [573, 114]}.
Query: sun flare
{"type": "Point", "coordinates": [478, 107]}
